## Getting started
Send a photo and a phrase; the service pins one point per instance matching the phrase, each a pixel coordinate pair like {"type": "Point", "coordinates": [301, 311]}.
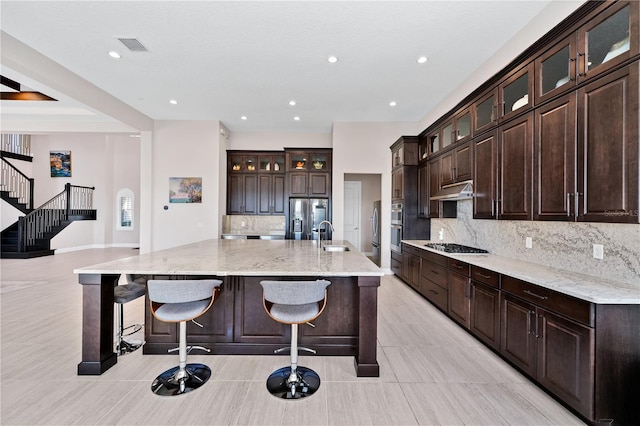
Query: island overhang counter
{"type": "Point", "coordinates": [237, 323]}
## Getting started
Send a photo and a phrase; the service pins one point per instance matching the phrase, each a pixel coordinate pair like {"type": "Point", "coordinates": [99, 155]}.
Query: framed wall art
{"type": "Point", "coordinates": [60, 162]}
{"type": "Point", "coordinates": [185, 190]}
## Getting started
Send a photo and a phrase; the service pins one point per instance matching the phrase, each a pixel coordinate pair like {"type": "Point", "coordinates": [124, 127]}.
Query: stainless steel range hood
{"type": "Point", "coordinates": [455, 191]}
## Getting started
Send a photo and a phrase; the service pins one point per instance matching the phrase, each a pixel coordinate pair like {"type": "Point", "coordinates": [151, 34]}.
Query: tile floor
{"type": "Point", "coordinates": [432, 372]}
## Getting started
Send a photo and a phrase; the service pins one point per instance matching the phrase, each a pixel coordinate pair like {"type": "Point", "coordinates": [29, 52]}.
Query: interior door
{"type": "Point", "coordinates": [352, 203]}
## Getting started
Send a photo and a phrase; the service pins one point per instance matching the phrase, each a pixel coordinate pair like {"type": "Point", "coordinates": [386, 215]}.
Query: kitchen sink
{"type": "Point", "coordinates": [335, 247]}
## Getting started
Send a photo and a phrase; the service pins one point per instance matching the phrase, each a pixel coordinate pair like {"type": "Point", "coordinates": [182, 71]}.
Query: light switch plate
{"type": "Point", "coordinates": [528, 242]}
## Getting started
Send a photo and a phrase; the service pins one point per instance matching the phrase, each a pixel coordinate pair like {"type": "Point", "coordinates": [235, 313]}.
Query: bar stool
{"type": "Point", "coordinates": [294, 302]}
{"type": "Point", "coordinates": [181, 301]}
{"type": "Point", "coordinates": [123, 294]}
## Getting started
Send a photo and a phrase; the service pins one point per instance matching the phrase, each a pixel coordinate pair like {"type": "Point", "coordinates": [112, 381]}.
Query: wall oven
{"type": "Point", "coordinates": [396, 238]}
{"type": "Point", "coordinates": [396, 214]}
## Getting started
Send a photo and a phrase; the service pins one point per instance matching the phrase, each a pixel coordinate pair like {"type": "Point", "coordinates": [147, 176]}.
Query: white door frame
{"type": "Point", "coordinates": [356, 188]}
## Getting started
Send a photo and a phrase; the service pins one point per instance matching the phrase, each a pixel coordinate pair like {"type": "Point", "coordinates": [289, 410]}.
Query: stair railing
{"type": "Point", "coordinates": [73, 201]}
{"type": "Point", "coordinates": [16, 143]}
{"type": "Point", "coordinates": [16, 183]}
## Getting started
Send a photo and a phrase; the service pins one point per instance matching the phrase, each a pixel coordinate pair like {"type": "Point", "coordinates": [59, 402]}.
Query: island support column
{"type": "Point", "coordinates": [97, 323]}
{"type": "Point", "coordinates": [366, 362]}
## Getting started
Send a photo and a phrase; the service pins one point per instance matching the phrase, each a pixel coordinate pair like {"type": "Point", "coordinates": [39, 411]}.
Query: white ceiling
{"type": "Point", "coordinates": [224, 59]}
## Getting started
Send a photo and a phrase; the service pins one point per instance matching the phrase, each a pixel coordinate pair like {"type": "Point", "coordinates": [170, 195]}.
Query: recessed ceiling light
{"type": "Point", "coordinates": [114, 54]}
{"type": "Point", "coordinates": [296, 118]}
{"type": "Point", "coordinates": [244, 117]}
{"type": "Point", "coordinates": [422, 59]}
{"type": "Point", "coordinates": [292, 103]}
{"type": "Point", "coordinates": [332, 59]}
{"type": "Point", "coordinates": [173, 102]}
{"type": "Point", "coordinates": [392, 103]}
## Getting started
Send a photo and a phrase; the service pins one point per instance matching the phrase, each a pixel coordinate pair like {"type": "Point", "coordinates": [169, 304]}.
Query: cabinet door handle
{"type": "Point", "coordinates": [568, 204]}
{"type": "Point", "coordinates": [455, 265]}
{"type": "Point", "coordinates": [582, 65]}
{"type": "Point", "coordinates": [577, 203]}
{"type": "Point", "coordinates": [493, 211]}
{"type": "Point", "coordinates": [467, 289]}
{"type": "Point", "coordinates": [484, 276]}
{"type": "Point", "coordinates": [433, 291]}
{"type": "Point", "coordinates": [538, 328]}
{"type": "Point", "coordinates": [535, 295]}
{"type": "Point", "coordinates": [572, 69]}
{"type": "Point", "coordinates": [434, 272]}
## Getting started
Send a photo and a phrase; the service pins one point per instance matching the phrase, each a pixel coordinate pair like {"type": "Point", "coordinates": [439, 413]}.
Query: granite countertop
{"type": "Point", "coordinates": [581, 286]}
{"type": "Point", "coordinates": [244, 257]}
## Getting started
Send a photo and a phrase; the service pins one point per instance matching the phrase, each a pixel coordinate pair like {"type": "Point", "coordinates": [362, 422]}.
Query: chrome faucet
{"type": "Point", "coordinates": [320, 233]}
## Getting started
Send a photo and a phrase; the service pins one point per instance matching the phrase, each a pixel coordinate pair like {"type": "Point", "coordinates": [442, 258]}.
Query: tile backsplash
{"type": "Point", "coordinates": [562, 245]}
{"type": "Point", "coordinates": [253, 225]}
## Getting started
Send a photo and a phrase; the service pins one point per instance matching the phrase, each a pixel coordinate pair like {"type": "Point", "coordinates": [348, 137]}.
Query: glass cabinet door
{"type": "Point", "coordinates": [556, 70]}
{"type": "Point", "coordinates": [447, 135]}
{"type": "Point", "coordinates": [235, 163]}
{"type": "Point", "coordinates": [434, 143]}
{"type": "Point", "coordinates": [516, 92]}
{"type": "Point", "coordinates": [484, 112]}
{"type": "Point", "coordinates": [298, 161]}
{"type": "Point", "coordinates": [319, 162]}
{"type": "Point", "coordinates": [609, 40]}
{"type": "Point", "coordinates": [250, 163]}
{"type": "Point", "coordinates": [463, 126]}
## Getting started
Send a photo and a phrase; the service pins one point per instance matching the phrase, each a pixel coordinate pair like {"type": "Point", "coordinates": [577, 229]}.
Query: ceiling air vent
{"type": "Point", "coordinates": [133, 44]}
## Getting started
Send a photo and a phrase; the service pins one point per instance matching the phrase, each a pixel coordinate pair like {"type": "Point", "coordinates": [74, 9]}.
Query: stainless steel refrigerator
{"type": "Point", "coordinates": [305, 215]}
{"type": "Point", "coordinates": [375, 239]}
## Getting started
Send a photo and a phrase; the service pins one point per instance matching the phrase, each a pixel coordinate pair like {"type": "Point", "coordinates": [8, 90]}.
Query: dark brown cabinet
{"type": "Point", "coordinates": [502, 172]}
{"type": "Point", "coordinates": [555, 157]}
{"type": "Point", "coordinates": [459, 298]}
{"type": "Point", "coordinates": [550, 336]}
{"type": "Point", "coordinates": [309, 173]}
{"type": "Point", "coordinates": [397, 184]}
{"type": "Point", "coordinates": [423, 190]}
{"type": "Point", "coordinates": [242, 193]}
{"type": "Point", "coordinates": [255, 182]}
{"type": "Point", "coordinates": [456, 165]}
{"type": "Point", "coordinates": [434, 186]}
{"type": "Point", "coordinates": [596, 129]}
{"type": "Point", "coordinates": [608, 183]}
{"type": "Point", "coordinates": [552, 349]}
{"type": "Point", "coordinates": [271, 194]}
{"type": "Point", "coordinates": [411, 266]}
{"type": "Point", "coordinates": [434, 279]}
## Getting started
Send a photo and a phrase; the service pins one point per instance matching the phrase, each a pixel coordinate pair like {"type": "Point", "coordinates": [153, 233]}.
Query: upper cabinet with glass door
{"type": "Point", "coordinates": [485, 112]}
{"type": "Point", "coordinates": [516, 92]}
{"type": "Point", "coordinates": [609, 38]}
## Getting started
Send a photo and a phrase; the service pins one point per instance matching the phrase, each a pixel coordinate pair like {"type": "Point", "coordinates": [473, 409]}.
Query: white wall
{"type": "Point", "coordinates": [363, 148]}
{"type": "Point", "coordinates": [106, 162]}
{"type": "Point", "coordinates": [370, 186]}
{"type": "Point", "coordinates": [265, 141]}
{"type": "Point", "coordinates": [185, 149]}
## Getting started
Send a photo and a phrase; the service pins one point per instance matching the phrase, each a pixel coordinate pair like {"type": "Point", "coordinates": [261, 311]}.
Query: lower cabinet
{"type": "Point", "coordinates": [585, 354]}
{"type": "Point", "coordinates": [396, 263]}
{"type": "Point", "coordinates": [411, 264]}
{"type": "Point", "coordinates": [434, 279]}
{"type": "Point", "coordinates": [555, 350]}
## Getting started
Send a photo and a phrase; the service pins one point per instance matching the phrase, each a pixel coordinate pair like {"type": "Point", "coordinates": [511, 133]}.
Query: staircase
{"type": "Point", "coordinates": [31, 235]}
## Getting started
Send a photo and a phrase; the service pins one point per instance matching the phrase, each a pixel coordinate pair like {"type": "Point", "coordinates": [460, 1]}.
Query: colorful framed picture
{"type": "Point", "coordinates": [185, 190]}
{"type": "Point", "coordinates": [60, 162]}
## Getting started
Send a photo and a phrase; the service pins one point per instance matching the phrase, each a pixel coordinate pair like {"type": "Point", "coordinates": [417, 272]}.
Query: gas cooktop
{"type": "Point", "coordinates": [455, 248]}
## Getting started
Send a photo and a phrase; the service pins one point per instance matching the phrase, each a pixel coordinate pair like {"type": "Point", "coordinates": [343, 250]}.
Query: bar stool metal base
{"type": "Point", "coordinates": [125, 347]}
{"type": "Point", "coordinates": [169, 384]}
{"type": "Point", "coordinates": [278, 383]}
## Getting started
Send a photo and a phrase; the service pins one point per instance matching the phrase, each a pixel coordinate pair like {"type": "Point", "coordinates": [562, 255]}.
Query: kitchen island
{"type": "Point", "coordinates": [237, 323]}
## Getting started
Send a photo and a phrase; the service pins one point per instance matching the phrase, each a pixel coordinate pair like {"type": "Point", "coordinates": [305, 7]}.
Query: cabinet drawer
{"type": "Point", "coordinates": [434, 257]}
{"type": "Point", "coordinates": [459, 267]}
{"type": "Point", "coordinates": [436, 273]}
{"type": "Point", "coordinates": [575, 309]}
{"type": "Point", "coordinates": [485, 276]}
{"type": "Point", "coordinates": [396, 267]}
{"type": "Point", "coordinates": [434, 293]}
